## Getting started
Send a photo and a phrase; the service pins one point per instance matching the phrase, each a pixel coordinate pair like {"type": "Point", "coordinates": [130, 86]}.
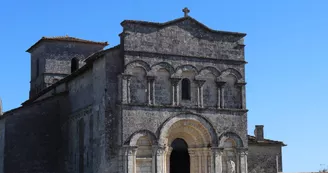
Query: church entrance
{"type": "Point", "coordinates": [179, 159]}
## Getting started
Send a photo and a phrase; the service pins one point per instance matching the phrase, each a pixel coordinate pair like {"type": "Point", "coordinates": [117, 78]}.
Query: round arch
{"type": "Point", "coordinates": [180, 69]}
{"type": "Point", "coordinates": [231, 71]}
{"type": "Point", "coordinates": [132, 140]}
{"type": "Point", "coordinates": [202, 129]}
{"type": "Point", "coordinates": [231, 135]}
{"type": "Point", "coordinates": [210, 69]}
{"type": "Point", "coordinates": [136, 63]}
{"type": "Point", "coordinates": [163, 65]}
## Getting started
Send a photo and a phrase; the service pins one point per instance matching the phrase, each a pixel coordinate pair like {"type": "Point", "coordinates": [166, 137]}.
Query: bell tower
{"type": "Point", "coordinates": [53, 58]}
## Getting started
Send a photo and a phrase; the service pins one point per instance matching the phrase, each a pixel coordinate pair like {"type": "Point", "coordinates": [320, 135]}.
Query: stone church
{"type": "Point", "coordinates": [170, 98]}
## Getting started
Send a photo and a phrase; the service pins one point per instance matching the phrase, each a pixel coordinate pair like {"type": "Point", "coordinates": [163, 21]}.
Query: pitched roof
{"type": "Point", "coordinates": [98, 54]}
{"type": "Point", "coordinates": [171, 22]}
{"type": "Point", "coordinates": [67, 39]}
{"type": "Point", "coordinates": [252, 140]}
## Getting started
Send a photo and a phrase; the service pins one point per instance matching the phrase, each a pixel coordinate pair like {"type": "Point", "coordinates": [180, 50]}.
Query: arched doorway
{"type": "Point", "coordinates": [195, 137]}
{"type": "Point", "coordinates": [179, 159]}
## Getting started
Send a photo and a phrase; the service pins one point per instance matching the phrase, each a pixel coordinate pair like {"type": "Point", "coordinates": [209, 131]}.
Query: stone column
{"type": "Point", "coordinates": [220, 96]}
{"type": "Point", "coordinates": [200, 96]}
{"type": "Point", "coordinates": [242, 84]}
{"type": "Point", "coordinates": [125, 160]}
{"type": "Point", "coordinates": [243, 160]}
{"type": "Point", "coordinates": [153, 92]}
{"type": "Point", "coordinates": [126, 96]}
{"type": "Point", "coordinates": [212, 155]}
{"type": "Point", "coordinates": [150, 90]}
{"type": "Point", "coordinates": [200, 166]}
{"type": "Point", "coordinates": [205, 160]}
{"type": "Point", "coordinates": [131, 159]}
{"type": "Point", "coordinates": [175, 91]}
{"type": "Point", "coordinates": [218, 152]}
{"type": "Point", "coordinates": [237, 162]}
{"type": "Point", "coordinates": [153, 162]}
{"type": "Point", "coordinates": [160, 160]}
{"type": "Point", "coordinates": [193, 160]}
{"type": "Point", "coordinates": [168, 156]}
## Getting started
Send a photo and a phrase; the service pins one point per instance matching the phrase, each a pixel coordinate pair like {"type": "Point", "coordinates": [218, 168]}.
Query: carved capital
{"type": "Point", "coordinates": [200, 82]}
{"type": "Point", "coordinates": [151, 78]}
{"type": "Point", "coordinates": [242, 151]}
{"type": "Point", "coordinates": [241, 83]}
{"type": "Point", "coordinates": [160, 151]}
{"type": "Point", "coordinates": [218, 151]}
{"type": "Point", "coordinates": [192, 152]}
{"type": "Point", "coordinates": [130, 150]}
{"type": "Point", "coordinates": [126, 76]}
{"type": "Point", "coordinates": [175, 80]}
{"type": "Point", "coordinates": [220, 83]}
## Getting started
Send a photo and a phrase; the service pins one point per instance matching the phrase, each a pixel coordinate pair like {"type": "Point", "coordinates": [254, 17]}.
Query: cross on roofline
{"type": "Point", "coordinates": [186, 11]}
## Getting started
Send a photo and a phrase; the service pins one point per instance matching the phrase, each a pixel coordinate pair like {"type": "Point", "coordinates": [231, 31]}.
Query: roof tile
{"type": "Point", "coordinates": [66, 38]}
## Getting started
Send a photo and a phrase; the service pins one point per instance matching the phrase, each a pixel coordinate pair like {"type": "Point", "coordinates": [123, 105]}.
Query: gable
{"type": "Point", "coordinates": [184, 36]}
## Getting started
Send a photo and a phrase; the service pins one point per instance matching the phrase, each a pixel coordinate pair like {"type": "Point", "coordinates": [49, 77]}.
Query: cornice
{"type": "Point", "coordinates": [184, 57]}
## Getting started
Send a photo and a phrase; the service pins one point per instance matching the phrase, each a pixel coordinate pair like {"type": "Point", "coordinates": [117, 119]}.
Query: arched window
{"type": "Point", "coordinates": [74, 64]}
{"type": "Point", "coordinates": [185, 89]}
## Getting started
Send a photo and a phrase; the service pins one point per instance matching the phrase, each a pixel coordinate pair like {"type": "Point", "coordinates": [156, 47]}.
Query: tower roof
{"type": "Point", "coordinates": [67, 39]}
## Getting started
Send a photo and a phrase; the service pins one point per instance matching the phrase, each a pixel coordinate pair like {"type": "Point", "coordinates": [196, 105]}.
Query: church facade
{"type": "Point", "coordinates": [169, 98]}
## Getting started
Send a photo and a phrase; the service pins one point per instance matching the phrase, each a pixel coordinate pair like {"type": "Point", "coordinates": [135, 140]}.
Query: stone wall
{"type": "Point", "coordinates": [264, 159]}
{"type": "Point", "coordinates": [112, 117]}
{"type": "Point", "coordinates": [151, 119]}
{"type": "Point", "coordinates": [173, 39]}
{"type": "Point", "coordinates": [32, 137]}
{"type": "Point", "coordinates": [83, 125]}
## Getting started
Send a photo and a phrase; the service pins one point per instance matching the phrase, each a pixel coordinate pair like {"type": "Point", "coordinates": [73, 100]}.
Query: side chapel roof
{"type": "Point", "coordinates": [252, 140]}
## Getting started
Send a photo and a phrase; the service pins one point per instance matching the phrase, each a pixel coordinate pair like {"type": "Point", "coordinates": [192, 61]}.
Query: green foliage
{"type": "Point", "coordinates": [323, 169]}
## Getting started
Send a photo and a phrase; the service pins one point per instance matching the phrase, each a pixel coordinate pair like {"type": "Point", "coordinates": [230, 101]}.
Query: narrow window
{"type": "Point", "coordinates": [74, 64]}
{"type": "Point", "coordinates": [37, 68]}
{"type": "Point", "coordinates": [185, 89]}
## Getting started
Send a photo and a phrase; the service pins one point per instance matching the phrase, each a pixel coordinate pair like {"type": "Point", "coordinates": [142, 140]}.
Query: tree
{"type": "Point", "coordinates": [323, 169]}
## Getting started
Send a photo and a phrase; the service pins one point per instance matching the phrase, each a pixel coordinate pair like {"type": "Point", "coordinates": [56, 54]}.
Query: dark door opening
{"type": "Point", "coordinates": [179, 160]}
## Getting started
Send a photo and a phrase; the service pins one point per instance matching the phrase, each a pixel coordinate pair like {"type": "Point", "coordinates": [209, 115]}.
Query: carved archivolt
{"type": "Point", "coordinates": [194, 129]}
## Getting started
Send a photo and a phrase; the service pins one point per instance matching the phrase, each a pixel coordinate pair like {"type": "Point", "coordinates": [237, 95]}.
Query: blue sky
{"type": "Point", "coordinates": [286, 53]}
